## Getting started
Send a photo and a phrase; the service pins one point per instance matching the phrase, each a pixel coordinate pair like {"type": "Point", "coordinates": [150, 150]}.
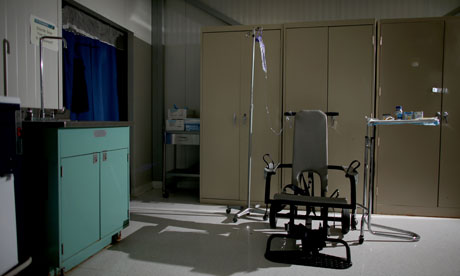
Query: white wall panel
{"type": "Point", "coordinates": [277, 11]}
{"type": "Point", "coordinates": [182, 28]}
{"type": "Point", "coordinates": [134, 15]}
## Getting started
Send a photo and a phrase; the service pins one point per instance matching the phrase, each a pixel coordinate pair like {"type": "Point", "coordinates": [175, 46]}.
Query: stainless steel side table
{"type": "Point", "coordinates": [174, 138]}
{"type": "Point", "coordinates": [368, 191]}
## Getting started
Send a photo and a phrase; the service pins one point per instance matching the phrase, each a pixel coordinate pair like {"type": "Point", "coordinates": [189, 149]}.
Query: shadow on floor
{"type": "Point", "coordinates": [216, 249]}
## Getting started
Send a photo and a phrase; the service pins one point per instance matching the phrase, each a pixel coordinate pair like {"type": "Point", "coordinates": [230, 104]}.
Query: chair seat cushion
{"type": "Point", "coordinates": [285, 198]}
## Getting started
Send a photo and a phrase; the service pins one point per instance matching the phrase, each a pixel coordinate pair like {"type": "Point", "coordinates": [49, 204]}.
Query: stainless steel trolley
{"type": "Point", "coordinates": [369, 163]}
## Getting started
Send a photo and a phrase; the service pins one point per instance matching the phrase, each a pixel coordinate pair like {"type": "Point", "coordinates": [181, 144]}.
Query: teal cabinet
{"type": "Point", "coordinates": [79, 203]}
{"type": "Point", "coordinates": [114, 202]}
{"type": "Point", "coordinates": [93, 190]}
{"type": "Point", "coordinates": [81, 181]}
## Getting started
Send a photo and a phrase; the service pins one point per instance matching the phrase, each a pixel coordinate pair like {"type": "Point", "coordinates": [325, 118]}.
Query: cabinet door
{"type": "Point", "coordinates": [411, 58]}
{"type": "Point", "coordinates": [79, 203]}
{"type": "Point", "coordinates": [351, 86]}
{"type": "Point", "coordinates": [220, 92]}
{"type": "Point", "coordinates": [114, 190]}
{"type": "Point", "coordinates": [450, 151]}
{"type": "Point", "coordinates": [305, 76]}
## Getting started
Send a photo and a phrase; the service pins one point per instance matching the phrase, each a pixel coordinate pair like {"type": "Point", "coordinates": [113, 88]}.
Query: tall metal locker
{"type": "Point", "coordinates": [226, 57]}
{"type": "Point", "coordinates": [450, 150]}
{"type": "Point", "coordinates": [330, 66]}
{"type": "Point", "coordinates": [418, 69]}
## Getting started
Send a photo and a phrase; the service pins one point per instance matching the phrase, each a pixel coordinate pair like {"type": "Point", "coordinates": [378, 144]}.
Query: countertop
{"type": "Point", "coordinates": [49, 123]}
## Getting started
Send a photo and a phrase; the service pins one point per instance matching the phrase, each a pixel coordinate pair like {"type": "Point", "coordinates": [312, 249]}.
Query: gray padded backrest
{"type": "Point", "coordinates": [310, 146]}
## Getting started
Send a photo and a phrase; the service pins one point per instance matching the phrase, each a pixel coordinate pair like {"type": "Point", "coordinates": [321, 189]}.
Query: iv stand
{"type": "Point", "coordinates": [250, 209]}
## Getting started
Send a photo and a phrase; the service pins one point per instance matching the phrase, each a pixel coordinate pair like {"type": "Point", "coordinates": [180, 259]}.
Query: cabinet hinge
{"type": "Point", "coordinates": [381, 40]}
{"type": "Point", "coordinates": [373, 40]}
{"type": "Point", "coordinates": [378, 141]}
{"type": "Point", "coordinates": [376, 191]}
{"type": "Point", "coordinates": [380, 91]}
{"type": "Point", "coordinates": [62, 248]}
{"type": "Point", "coordinates": [127, 157]}
{"type": "Point", "coordinates": [61, 171]}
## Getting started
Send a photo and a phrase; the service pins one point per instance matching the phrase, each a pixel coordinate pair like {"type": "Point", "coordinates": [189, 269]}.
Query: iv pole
{"type": "Point", "coordinates": [250, 209]}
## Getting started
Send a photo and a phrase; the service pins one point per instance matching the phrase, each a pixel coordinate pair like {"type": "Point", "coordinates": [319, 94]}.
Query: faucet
{"type": "Point", "coordinates": [64, 42]}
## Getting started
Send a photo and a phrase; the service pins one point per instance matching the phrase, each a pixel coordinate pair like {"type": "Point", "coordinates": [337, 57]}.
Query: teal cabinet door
{"type": "Point", "coordinates": [79, 203]}
{"type": "Point", "coordinates": [114, 190]}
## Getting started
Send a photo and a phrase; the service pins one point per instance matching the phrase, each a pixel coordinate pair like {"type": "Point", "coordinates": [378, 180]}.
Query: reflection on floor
{"type": "Point", "coordinates": [179, 236]}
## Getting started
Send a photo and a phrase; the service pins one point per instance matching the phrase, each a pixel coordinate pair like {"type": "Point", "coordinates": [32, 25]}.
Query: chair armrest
{"type": "Point", "coordinates": [352, 174]}
{"type": "Point", "coordinates": [268, 177]}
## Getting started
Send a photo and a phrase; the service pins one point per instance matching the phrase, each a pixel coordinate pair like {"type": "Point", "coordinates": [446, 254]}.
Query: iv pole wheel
{"type": "Point", "coordinates": [345, 221]}
{"type": "Point", "coordinates": [265, 217]}
{"type": "Point", "coordinates": [228, 210]}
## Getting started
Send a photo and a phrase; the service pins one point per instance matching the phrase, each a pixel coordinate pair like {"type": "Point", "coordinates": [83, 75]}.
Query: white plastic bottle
{"type": "Point", "coordinates": [398, 113]}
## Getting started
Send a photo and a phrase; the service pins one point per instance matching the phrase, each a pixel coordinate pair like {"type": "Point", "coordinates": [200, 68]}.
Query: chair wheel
{"type": "Point", "coordinates": [272, 216]}
{"type": "Point", "coordinates": [265, 217]}
{"type": "Point", "coordinates": [345, 221]}
{"type": "Point", "coordinates": [228, 210]}
{"type": "Point", "coordinates": [235, 219]}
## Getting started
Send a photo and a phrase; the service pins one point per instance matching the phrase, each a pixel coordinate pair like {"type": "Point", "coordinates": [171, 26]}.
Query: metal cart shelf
{"type": "Point", "coordinates": [369, 164]}
{"type": "Point", "coordinates": [174, 138]}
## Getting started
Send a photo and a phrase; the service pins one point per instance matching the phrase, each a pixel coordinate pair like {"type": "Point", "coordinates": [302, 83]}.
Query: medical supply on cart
{"type": "Point", "coordinates": [398, 112]}
{"type": "Point", "coordinates": [176, 113]}
{"type": "Point", "coordinates": [192, 124]}
{"type": "Point", "coordinates": [418, 114]}
{"type": "Point", "coordinates": [387, 116]}
{"type": "Point", "coordinates": [408, 115]}
{"type": "Point", "coordinates": [174, 125]}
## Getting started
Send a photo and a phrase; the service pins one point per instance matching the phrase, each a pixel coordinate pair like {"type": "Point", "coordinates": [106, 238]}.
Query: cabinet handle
{"type": "Point", "coordinates": [6, 51]}
{"type": "Point", "coordinates": [445, 115]}
{"type": "Point", "coordinates": [244, 118]}
{"type": "Point", "coordinates": [94, 158]}
{"type": "Point", "coordinates": [234, 118]}
{"type": "Point", "coordinates": [436, 90]}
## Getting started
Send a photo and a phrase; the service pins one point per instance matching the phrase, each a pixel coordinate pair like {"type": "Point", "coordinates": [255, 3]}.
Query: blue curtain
{"type": "Point", "coordinates": [90, 79]}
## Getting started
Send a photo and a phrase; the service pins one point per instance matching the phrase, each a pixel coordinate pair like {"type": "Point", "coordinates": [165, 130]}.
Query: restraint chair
{"type": "Point", "coordinates": [309, 159]}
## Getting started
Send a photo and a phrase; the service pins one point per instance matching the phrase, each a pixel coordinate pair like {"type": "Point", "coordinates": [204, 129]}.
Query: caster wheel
{"type": "Point", "coordinates": [116, 237]}
{"type": "Point", "coordinates": [228, 210]}
{"type": "Point", "coordinates": [345, 221]}
{"type": "Point", "coordinates": [354, 222]}
{"type": "Point", "coordinates": [235, 219]}
{"type": "Point", "coordinates": [265, 217]}
{"type": "Point", "coordinates": [165, 194]}
{"type": "Point", "coordinates": [272, 216]}
{"type": "Point", "coordinates": [361, 239]}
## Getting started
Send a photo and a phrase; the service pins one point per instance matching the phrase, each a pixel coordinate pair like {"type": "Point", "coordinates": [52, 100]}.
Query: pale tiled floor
{"type": "Point", "coordinates": [179, 236]}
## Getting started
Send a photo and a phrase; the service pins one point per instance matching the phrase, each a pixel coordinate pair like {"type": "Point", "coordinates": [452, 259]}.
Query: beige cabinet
{"type": "Point", "coordinates": [418, 62]}
{"type": "Point", "coordinates": [330, 66]}
{"type": "Point", "coordinates": [226, 57]}
{"type": "Point", "coordinates": [449, 187]}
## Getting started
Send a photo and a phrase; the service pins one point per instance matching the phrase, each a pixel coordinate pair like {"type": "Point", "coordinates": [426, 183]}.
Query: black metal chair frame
{"type": "Point", "coordinates": [312, 240]}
